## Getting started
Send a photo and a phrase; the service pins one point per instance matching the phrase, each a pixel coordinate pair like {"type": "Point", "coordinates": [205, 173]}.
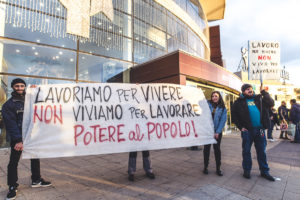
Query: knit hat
{"type": "Point", "coordinates": [245, 86]}
{"type": "Point", "coordinates": [17, 80]}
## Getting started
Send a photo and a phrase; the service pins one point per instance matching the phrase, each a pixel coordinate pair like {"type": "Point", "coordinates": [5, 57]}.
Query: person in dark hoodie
{"type": "Point", "coordinates": [250, 113]}
{"type": "Point", "coordinates": [295, 119]}
{"type": "Point", "coordinates": [12, 112]}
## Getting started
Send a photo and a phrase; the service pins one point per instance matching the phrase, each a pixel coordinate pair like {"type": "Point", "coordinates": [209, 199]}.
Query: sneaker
{"type": "Point", "coordinates": [131, 177]}
{"type": "Point", "coordinates": [268, 177]}
{"type": "Point", "coordinates": [40, 183]}
{"type": "Point", "coordinates": [247, 175]}
{"type": "Point", "coordinates": [205, 171]}
{"type": "Point", "coordinates": [219, 173]}
{"type": "Point", "coordinates": [150, 175]}
{"type": "Point", "coordinates": [12, 193]}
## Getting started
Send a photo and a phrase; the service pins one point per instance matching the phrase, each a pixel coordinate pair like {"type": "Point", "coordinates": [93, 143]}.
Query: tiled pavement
{"type": "Point", "coordinates": [178, 176]}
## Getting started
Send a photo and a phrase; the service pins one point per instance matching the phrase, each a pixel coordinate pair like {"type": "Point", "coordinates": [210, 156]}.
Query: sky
{"type": "Point", "coordinates": [270, 20]}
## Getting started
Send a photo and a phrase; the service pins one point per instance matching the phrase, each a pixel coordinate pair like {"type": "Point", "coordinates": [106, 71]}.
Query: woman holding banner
{"type": "Point", "coordinates": [146, 165]}
{"type": "Point", "coordinates": [219, 115]}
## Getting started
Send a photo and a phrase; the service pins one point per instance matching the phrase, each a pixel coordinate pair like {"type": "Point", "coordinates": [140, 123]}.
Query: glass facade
{"type": "Point", "coordinates": [34, 44]}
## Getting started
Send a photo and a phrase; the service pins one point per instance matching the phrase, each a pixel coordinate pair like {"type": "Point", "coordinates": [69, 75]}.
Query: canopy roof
{"type": "Point", "coordinates": [214, 9]}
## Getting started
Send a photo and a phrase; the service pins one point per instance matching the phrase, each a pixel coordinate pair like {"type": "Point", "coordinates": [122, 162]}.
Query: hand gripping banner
{"type": "Point", "coordinates": [64, 120]}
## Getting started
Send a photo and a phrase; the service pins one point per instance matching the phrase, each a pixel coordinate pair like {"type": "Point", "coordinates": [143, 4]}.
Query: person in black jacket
{"type": "Point", "coordinates": [250, 113]}
{"type": "Point", "coordinates": [12, 112]}
{"type": "Point", "coordinates": [273, 120]}
{"type": "Point", "coordinates": [295, 119]}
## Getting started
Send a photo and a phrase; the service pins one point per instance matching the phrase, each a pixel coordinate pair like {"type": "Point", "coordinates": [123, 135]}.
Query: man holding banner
{"type": "Point", "coordinates": [12, 112]}
{"type": "Point", "coordinates": [250, 115]}
{"type": "Point", "coordinates": [146, 165]}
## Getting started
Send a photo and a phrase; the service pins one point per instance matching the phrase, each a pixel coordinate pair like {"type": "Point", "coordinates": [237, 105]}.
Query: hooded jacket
{"type": "Point", "coordinates": [12, 112]}
{"type": "Point", "coordinates": [240, 112]}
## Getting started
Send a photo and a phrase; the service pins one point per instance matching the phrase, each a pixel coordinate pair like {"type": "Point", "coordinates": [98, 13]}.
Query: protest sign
{"type": "Point", "coordinates": [87, 119]}
{"type": "Point", "coordinates": [264, 60]}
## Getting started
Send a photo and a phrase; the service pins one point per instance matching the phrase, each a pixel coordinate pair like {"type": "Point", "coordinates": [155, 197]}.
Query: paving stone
{"type": "Point", "coordinates": [178, 175]}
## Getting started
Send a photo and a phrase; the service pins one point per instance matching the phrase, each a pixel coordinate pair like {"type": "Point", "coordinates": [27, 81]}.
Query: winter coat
{"type": "Point", "coordinates": [220, 117]}
{"type": "Point", "coordinates": [12, 112]}
{"type": "Point", "coordinates": [275, 117]}
{"type": "Point", "coordinates": [240, 112]}
{"type": "Point", "coordinates": [295, 113]}
{"type": "Point", "coordinates": [283, 113]}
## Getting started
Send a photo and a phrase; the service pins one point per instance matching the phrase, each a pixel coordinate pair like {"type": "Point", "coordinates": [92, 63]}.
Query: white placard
{"type": "Point", "coordinates": [264, 60]}
{"type": "Point", "coordinates": [64, 120]}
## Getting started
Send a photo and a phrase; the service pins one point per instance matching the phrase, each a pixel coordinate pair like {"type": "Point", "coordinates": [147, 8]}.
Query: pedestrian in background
{"type": "Point", "coordinates": [273, 120]}
{"type": "Point", "coordinates": [283, 113]}
{"type": "Point", "coordinates": [219, 116]}
{"type": "Point", "coordinates": [250, 113]}
{"type": "Point", "coordinates": [12, 112]}
{"type": "Point", "coordinates": [295, 119]}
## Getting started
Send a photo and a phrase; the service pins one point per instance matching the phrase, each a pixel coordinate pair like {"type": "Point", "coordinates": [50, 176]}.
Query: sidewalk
{"type": "Point", "coordinates": [178, 175]}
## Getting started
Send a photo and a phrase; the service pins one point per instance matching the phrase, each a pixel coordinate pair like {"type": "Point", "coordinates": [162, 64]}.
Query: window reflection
{"type": "Point", "coordinates": [148, 35]}
{"type": "Point", "coordinates": [123, 5]}
{"type": "Point", "coordinates": [151, 13]}
{"type": "Point", "coordinates": [99, 69]}
{"type": "Point", "coordinates": [22, 58]}
{"type": "Point", "coordinates": [111, 45]}
{"type": "Point", "coordinates": [143, 53]}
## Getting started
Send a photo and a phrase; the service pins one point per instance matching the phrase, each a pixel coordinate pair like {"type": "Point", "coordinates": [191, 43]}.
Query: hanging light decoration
{"type": "Point", "coordinates": [63, 18]}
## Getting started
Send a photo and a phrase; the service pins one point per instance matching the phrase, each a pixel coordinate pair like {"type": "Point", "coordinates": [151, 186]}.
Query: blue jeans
{"type": "Point", "coordinates": [270, 130]}
{"type": "Point", "coordinates": [258, 137]}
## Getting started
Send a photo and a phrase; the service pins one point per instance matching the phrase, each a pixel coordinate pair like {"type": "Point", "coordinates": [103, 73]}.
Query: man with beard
{"type": "Point", "coordinates": [250, 113]}
{"type": "Point", "coordinates": [12, 112]}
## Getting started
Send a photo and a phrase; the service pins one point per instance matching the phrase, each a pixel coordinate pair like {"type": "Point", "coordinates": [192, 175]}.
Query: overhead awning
{"type": "Point", "coordinates": [214, 9]}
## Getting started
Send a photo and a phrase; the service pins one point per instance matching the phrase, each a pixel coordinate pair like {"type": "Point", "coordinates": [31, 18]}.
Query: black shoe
{"type": "Point", "coordinates": [40, 183]}
{"type": "Point", "coordinates": [219, 173]}
{"type": "Point", "coordinates": [131, 177]}
{"type": "Point", "coordinates": [247, 175]}
{"type": "Point", "coordinates": [12, 193]}
{"type": "Point", "coordinates": [150, 175]}
{"type": "Point", "coordinates": [268, 177]}
{"type": "Point", "coordinates": [205, 171]}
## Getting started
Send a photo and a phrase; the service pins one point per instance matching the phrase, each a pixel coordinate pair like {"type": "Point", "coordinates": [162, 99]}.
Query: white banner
{"type": "Point", "coordinates": [87, 119]}
{"type": "Point", "coordinates": [264, 60]}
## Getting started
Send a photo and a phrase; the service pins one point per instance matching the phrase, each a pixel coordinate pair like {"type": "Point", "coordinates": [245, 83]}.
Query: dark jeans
{"type": "Point", "coordinates": [12, 168]}
{"type": "Point", "coordinates": [132, 162]}
{"type": "Point", "coordinates": [217, 151]}
{"type": "Point", "coordinates": [270, 130]}
{"type": "Point", "coordinates": [258, 137]}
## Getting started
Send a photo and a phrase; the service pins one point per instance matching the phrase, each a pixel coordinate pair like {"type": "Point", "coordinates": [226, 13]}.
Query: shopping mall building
{"type": "Point", "coordinates": [147, 41]}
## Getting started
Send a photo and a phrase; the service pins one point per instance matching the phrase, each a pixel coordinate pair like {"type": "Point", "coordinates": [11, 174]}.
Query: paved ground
{"type": "Point", "coordinates": [178, 176]}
